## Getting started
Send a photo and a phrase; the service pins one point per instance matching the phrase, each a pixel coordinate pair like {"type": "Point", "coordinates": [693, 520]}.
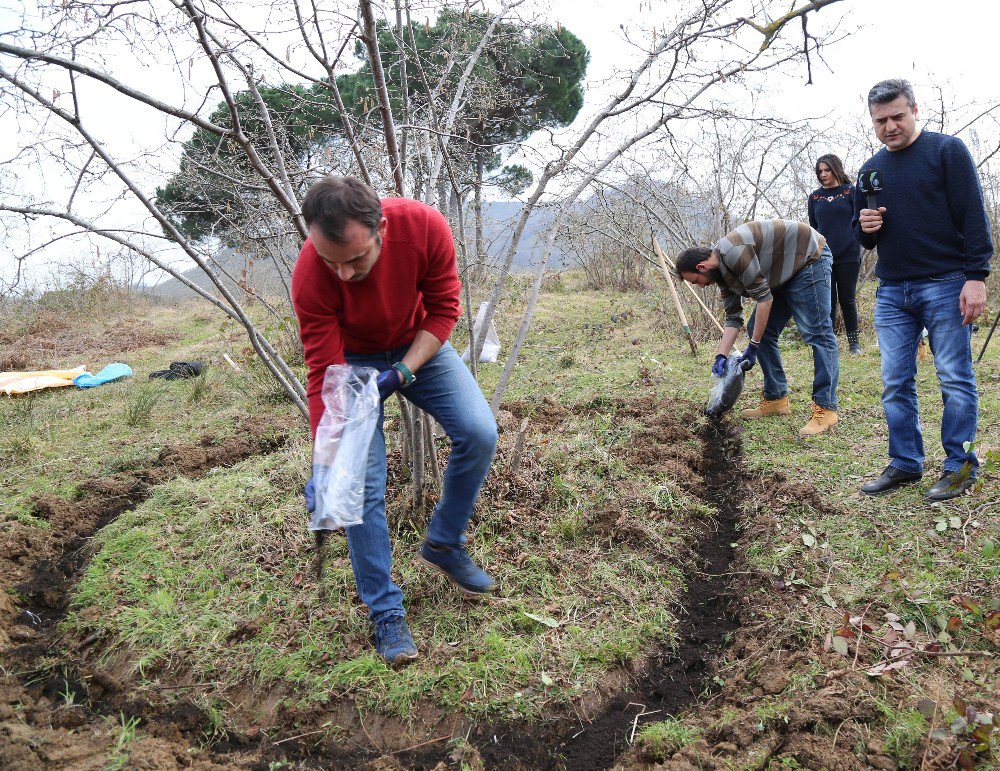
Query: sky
{"type": "Point", "coordinates": [935, 45]}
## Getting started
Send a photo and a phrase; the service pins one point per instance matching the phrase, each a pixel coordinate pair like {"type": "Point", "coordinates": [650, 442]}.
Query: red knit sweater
{"type": "Point", "coordinates": [413, 286]}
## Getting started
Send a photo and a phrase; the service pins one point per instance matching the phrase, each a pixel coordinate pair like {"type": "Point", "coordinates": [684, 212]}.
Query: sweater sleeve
{"type": "Point", "coordinates": [968, 212]}
{"type": "Point", "coordinates": [440, 286]}
{"type": "Point", "coordinates": [812, 213]}
{"type": "Point", "coordinates": [733, 305]}
{"type": "Point", "coordinates": [318, 313]}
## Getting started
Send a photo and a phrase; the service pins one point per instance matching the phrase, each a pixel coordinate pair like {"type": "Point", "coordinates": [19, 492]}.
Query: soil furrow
{"type": "Point", "coordinates": [45, 567]}
{"type": "Point", "coordinates": [675, 679]}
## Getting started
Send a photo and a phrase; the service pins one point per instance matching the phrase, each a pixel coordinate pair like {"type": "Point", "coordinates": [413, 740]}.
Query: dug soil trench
{"type": "Point", "coordinates": [671, 680]}
{"type": "Point", "coordinates": [56, 710]}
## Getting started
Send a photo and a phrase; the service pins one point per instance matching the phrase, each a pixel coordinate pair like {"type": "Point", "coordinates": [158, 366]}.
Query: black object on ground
{"type": "Point", "coordinates": [726, 389]}
{"type": "Point", "coordinates": [180, 370]}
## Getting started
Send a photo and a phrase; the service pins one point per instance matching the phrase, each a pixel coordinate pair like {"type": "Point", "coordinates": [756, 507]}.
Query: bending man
{"type": "Point", "coordinates": [785, 267]}
{"type": "Point", "coordinates": [376, 285]}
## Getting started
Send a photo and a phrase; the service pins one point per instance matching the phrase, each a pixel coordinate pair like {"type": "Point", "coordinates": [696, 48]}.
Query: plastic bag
{"type": "Point", "coordinates": [726, 389]}
{"type": "Point", "coordinates": [491, 346]}
{"type": "Point", "coordinates": [340, 452]}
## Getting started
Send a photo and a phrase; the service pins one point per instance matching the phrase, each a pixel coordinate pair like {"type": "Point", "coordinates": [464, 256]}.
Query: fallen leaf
{"type": "Point", "coordinates": [840, 644]}
{"type": "Point", "coordinates": [927, 708]}
{"type": "Point", "coordinates": [545, 620]}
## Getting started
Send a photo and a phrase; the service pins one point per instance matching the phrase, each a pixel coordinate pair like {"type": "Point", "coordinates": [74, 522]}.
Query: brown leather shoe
{"type": "Point", "coordinates": [769, 408]}
{"type": "Point", "coordinates": [822, 420]}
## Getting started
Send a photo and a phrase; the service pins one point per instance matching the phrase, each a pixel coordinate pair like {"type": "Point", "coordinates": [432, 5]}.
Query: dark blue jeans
{"type": "Point", "coordinates": [446, 390]}
{"type": "Point", "coordinates": [902, 310]}
{"type": "Point", "coordinates": [806, 298]}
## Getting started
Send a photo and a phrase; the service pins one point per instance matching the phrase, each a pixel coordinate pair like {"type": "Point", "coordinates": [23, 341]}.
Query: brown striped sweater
{"type": "Point", "coordinates": [760, 256]}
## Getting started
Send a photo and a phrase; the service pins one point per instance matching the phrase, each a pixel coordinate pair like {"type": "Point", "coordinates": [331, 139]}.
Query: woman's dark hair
{"type": "Point", "coordinates": [836, 166]}
{"type": "Point", "coordinates": [332, 201]}
{"type": "Point", "coordinates": [688, 260]}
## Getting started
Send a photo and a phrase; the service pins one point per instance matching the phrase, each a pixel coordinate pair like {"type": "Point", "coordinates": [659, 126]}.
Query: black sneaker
{"type": "Point", "coordinates": [394, 642]}
{"type": "Point", "coordinates": [951, 485]}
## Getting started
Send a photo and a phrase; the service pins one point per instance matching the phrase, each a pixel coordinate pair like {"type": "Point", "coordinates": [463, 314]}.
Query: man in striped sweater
{"type": "Point", "coordinates": [784, 266]}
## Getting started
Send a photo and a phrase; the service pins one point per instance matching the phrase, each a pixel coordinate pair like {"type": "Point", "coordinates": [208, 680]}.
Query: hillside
{"type": "Point", "coordinates": [499, 219]}
{"type": "Point", "coordinates": [675, 592]}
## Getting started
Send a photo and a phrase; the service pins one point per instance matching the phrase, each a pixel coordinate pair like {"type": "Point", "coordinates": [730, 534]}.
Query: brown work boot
{"type": "Point", "coordinates": [822, 420]}
{"type": "Point", "coordinates": [769, 408]}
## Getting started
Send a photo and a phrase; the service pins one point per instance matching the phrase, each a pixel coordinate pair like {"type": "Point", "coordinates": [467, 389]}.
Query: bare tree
{"type": "Point", "coordinates": [206, 66]}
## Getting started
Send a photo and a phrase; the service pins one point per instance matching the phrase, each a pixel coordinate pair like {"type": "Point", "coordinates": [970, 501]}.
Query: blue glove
{"type": "Point", "coordinates": [388, 383]}
{"type": "Point", "coordinates": [749, 357]}
{"type": "Point", "coordinates": [719, 368]}
{"type": "Point", "coordinates": [310, 493]}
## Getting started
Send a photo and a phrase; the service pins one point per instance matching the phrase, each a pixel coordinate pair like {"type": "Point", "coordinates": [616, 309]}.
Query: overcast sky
{"type": "Point", "coordinates": [934, 44]}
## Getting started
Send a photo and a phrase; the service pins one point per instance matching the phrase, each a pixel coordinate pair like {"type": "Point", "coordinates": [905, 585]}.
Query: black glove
{"type": "Point", "coordinates": [749, 357]}
{"type": "Point", "coordinates": [388, 383]}
{"type": "Point", "coordinates": [719, 368]}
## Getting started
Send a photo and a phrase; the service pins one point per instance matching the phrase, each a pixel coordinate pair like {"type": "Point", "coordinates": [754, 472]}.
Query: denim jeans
{"type": "Point", "coordinates": [446, 390]}
{"type": "Point", "coordinates": [902, 310]}
{"type": "Point", "coordinates": [806, 298]}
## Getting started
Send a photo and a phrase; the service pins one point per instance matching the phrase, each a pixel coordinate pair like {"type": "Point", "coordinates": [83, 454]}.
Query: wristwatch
{"type": "Point", "coordinates": [402, 369]}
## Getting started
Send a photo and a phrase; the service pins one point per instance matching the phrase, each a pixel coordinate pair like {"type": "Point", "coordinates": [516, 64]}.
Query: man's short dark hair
{"type": "Point", "coordinates": [889, 90]}
{"type": "Point", "coordinates": [688, 260]}
{"type": "Point", "coordinates": [836, 167]}
{"type": "Point", "coordinates": [332, 201]}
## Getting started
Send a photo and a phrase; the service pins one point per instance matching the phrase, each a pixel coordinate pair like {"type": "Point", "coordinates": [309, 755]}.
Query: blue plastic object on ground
{"type": "Point", "coordinates": [110, 373]}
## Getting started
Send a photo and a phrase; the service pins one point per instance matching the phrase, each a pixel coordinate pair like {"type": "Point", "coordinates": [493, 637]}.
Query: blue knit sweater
{"type": "Point", "coordinates": [935, 220]}
{"type": "Point", "coordinates": [830, 212]}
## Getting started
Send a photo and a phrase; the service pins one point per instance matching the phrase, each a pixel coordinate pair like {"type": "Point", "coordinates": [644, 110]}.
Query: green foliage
{"type": "Point", "coordinates": [125, 736]}
{"type": "Point", "coordinates": [139, 404]}
{"type": "Point", "coordinates": [216, 192]}
{"type": "Point", "coordinates": [528, 78]}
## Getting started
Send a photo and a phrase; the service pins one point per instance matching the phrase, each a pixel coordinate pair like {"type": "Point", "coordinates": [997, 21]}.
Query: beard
{"type": "Point", "coordinates": [715, 274]}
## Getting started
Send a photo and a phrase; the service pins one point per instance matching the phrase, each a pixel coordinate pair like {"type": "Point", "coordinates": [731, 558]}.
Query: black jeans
{"type": "Point", "coordinates": [843, 288]}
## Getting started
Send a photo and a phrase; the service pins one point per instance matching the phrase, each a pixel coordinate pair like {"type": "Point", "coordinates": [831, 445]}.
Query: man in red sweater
{"type": "Point", "coordinates": [376, 285]}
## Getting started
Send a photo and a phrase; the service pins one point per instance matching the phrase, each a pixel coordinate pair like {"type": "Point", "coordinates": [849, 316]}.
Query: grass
{"type": "Point", "coordinates": [125, 735]}
{"type": "Point", "coordinates": [211, 577]}
{"type": "Point", "coordinates": [660, 740]}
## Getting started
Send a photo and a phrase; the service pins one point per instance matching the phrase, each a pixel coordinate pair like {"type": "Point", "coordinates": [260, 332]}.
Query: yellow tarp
{"type": "Point", "coordinates": [23, 382]}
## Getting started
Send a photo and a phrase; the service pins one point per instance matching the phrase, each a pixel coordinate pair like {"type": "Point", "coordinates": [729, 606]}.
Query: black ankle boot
{"type": "Point", "coordinates": [852, 340]}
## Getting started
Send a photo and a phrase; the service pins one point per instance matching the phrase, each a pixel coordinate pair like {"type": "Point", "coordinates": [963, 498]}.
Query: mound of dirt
{"type": "Point", "coordinates": [48, 717]}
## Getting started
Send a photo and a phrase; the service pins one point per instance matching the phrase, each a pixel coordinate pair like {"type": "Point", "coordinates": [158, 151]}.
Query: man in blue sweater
{"type": "Point", "coordinates": [934, 248]}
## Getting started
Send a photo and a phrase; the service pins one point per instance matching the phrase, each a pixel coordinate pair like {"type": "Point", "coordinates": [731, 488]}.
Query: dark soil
{"type": "Point", "coordinates": [674, 678]}
{"type": "Point", "coordinates": [41, 726]}
{"type": "Point", "coordinates": [722, 639]}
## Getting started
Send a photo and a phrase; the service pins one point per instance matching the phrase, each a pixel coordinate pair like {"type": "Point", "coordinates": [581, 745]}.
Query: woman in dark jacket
{"type": "Point", "coordinates": [830, 212]}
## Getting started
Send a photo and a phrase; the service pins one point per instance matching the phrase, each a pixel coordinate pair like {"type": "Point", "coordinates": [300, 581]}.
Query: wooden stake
{"type": "Point", "coordinates": [664, 258]}
{"type": "Point", "coordinates": [677, 300]}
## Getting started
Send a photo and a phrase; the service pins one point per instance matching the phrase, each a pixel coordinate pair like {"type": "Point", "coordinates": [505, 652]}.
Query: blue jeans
{"type": "Point", "coordinates": [806, 298]}
{"type": "Point", "coordinates": [902, 310]}
{"type": "Point", "coordinates": [446, 390]}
